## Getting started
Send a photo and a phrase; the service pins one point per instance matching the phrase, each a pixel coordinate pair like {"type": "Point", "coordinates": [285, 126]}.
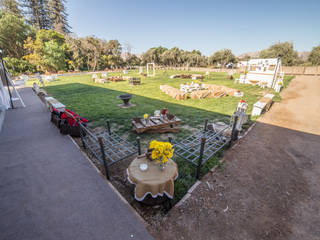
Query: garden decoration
{"type": "Point", "coordinates": [132, 80]}
{"type": "Point", "coordinates": [199, 91]}
{"type": "Point", "coordinates": [69, 122]}
{"type": "Point", "coordinates": [263, 72]}
{"type": "Point", "coordinates": [107, 147]}
{"type": "Point", "coordinates": [94, 76]}
{"type": "Point", "coordinates": [157, 113]}
{"type": "Point", "coordinates": [125, 98]}
{"type": "Point", "coordinates": [242, 116]}
{"type": "Point", "coordinates": [115, 78]}
{"type": "Point", "coordinates": [153, 70]}
{"type": "Point", "coordinates": [156, 124]}
{"type": "Point", "coordinates": [164, 113]}
{"type": "Point", "coordinates": [173, 92]}
{"type": "Point", "coordinates": [201, 146]}
{"type": "Point", "coordinates": [161, 152]}
{"type": "Point", "coordinates": [100, 80]}
{"type": "Point", "coordinates": [146, 118]}
{"type": "Point", "coordinates": [153, 174]}
{"type": "Point", "coordinates": [197, 76]}
{"type": "Point", "coordinates": [190, 87]}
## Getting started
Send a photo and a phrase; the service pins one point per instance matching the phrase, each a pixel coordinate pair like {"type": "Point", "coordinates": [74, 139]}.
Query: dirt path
{"type": "Point", "coordinates": [270, 185]}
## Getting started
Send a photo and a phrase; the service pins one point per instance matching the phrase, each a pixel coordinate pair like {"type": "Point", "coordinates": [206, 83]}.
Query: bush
{"type": "Point", "coordinates": [16, 66]}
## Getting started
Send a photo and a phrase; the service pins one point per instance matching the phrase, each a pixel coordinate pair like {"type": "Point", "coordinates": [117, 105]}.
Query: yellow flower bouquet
{"type": "Point", "coordinates": [161, 152]}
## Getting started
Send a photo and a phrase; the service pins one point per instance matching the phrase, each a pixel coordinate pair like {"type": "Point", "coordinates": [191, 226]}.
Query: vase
{"type": "Point", "coordinates": [162, 166]}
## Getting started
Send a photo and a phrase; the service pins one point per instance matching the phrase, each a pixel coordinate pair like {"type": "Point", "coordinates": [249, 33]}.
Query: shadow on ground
{"type": "Point", "coordinates": [99, 104]}
{"type": "Point", "coordinates": [269, 189]}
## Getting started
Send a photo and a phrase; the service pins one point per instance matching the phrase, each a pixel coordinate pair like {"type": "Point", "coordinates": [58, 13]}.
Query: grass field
{"type": "Point", "coordinates": [99, 102]}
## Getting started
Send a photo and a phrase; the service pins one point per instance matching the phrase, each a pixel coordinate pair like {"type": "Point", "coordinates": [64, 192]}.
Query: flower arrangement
{"type": "Point", "coordinates": [146, 118]}
{"type": "Point", "coordinates": [161, 152]}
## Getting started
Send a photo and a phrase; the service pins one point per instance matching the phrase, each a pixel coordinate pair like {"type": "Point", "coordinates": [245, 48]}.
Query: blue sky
{"type": "Point", "coordinates": [243, 26]}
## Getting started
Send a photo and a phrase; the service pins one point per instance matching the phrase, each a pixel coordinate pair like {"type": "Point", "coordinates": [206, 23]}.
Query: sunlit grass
{"type": "Point", "coordinates": [99, 102]}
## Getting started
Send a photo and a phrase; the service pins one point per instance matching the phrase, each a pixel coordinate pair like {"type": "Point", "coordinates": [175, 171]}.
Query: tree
{"type": "Point", "coordinates": [13, 32]}
{"type": "Point", "coordinates": [58, 15]}
{"type": "Point", "coordinates": [18, 65]}
{"type": "Point", "coordinates": [37, 13]}
{"type": "Point", "coordinates": [76, 49]}
{"type": "Point", "coordinates": [10, 6]}
{"type": "Point", "coordinates": [194, 59]}
{"type": "Point", "coordinates": [314, 56]}
{"type": "Point", "coordinates": [153, 55]}
{"type": "Point", "coordinates": [48, 51]}
{"type": "Point", "coordinates": [133, 60]}
{"type": "Point", "coordinates": [222, 57]}
{"type": "Point", "coordinates": [92, 49]}
{"type": "Point", "coordinates": [285, 50]}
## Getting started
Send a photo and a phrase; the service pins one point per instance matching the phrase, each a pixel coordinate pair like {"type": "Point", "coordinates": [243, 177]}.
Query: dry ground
{"type": "Point", "coordinates": [270, 185]}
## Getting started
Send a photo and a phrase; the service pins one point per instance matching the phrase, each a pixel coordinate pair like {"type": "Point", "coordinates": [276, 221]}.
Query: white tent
{"type": "Point", "coordinates": [4, 94]}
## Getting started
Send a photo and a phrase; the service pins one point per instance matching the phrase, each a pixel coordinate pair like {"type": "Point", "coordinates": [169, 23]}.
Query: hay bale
{"type": "Point", "coordinates": [100, 80]}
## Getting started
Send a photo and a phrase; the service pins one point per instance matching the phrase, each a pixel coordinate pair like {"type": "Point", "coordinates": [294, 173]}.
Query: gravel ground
{"type": "Point", "coordinates": [269, 187]}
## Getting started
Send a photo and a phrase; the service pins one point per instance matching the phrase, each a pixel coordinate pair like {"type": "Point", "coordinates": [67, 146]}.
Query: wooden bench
{"type": "Point", "coordinates": [54, 103]}
{"type": "Point", "coordinates": [262, 105]}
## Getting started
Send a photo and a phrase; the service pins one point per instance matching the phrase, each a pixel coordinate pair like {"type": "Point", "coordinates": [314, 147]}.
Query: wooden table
{"type": "Point", "coordinates": [153, 182]}
{"type": "Point", "coordinates": [156, 125]}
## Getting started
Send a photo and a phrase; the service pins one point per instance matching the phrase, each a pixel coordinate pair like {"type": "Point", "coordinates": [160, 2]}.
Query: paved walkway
{"type": "Point", "coordinates": [48, 190]}
{"type": "Point", "coordinates": [269, 187]}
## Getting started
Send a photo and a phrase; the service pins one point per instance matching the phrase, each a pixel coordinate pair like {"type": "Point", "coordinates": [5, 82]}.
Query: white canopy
{"type": "Point", "coordinates": [4, 95]}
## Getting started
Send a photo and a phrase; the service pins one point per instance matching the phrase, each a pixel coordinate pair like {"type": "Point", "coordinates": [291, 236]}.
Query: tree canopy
{"type": "Point", "coordinates": [285, 50]}
{"type": "Point", "coordinates": [314, 56]}
{"type": "Point", "coordinates": [13, 32]}
{"type": "Point", "coordinates": [222, 57]}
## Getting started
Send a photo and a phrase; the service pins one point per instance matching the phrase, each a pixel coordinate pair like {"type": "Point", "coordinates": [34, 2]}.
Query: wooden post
{"type": "Point", "coordinates": [108, 126]}
{"type": "Point", "coordinates": [139, 145]}
{"type": "Point", "coordinates": [104, 157]}
{"type": "Point", "coordinates": [203, 142]}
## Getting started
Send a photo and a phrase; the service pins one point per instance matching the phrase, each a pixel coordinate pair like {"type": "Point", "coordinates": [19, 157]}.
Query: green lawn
{"type": "Point", "coordinates": [99, 102]}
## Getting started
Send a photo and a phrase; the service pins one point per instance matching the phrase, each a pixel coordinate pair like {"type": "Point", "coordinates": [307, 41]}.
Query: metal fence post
{"type": "Point", "coordinates": [233, 133]}
{"type": "Point", "coordinates": [139, 145]}
{"type": "Point", "coordinates": [203, 142]}
{"type": "Point", "coordinates": [108, 126]}
{"type": "Point", "coordinates": [82, 136]}
{"type": "Point", "coordinates": [206, 125]}
{"type": "Point", "coordinates": [104, 157]}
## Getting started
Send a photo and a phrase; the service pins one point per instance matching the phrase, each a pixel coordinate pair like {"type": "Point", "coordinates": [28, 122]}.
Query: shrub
{"type": "Point", "coordinates": [16, 66]}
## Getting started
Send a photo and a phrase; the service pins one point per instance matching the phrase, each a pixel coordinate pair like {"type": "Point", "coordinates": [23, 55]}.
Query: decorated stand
{"type": "Point", "coordinates": [264, 73]}
{"type": "Point", "coordinates": [149, 65]}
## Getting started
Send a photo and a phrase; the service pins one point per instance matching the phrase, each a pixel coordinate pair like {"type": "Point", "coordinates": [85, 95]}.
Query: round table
{"type": "Point", "coordinates": [153, 181]}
